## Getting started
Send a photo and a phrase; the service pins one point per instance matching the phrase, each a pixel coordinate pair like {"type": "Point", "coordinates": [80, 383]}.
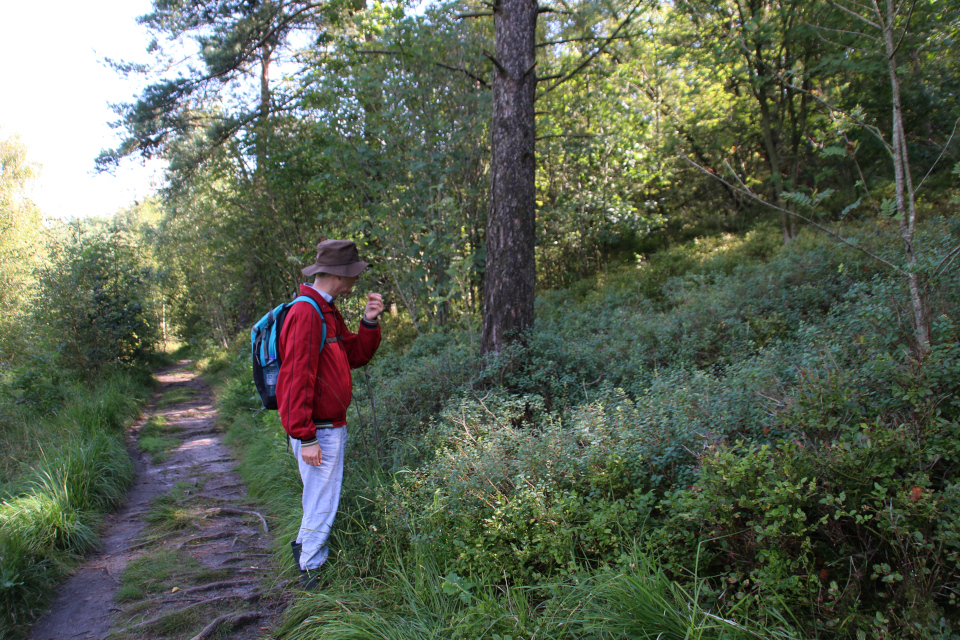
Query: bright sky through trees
{"type": "Point", "coordinates": [56, 94]}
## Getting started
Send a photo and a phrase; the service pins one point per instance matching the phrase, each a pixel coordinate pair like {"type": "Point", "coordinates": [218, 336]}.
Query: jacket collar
{"type": "Point", "coordinates": [307, 290]}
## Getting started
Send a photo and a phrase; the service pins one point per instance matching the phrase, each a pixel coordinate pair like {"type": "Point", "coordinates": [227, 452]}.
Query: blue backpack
{"type": "Point", "coordinates": [266, 356]}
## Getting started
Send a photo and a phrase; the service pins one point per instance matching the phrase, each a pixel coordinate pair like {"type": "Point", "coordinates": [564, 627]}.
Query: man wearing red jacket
{"type": "Point", "coordinates": [314, 389]}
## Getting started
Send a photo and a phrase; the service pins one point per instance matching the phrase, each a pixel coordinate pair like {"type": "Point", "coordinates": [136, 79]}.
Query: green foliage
{"type": "Point", "coordinates": [61, 474]}
{"type": "Point", "coordinates": [854, 512]}
{"type": "Point", "coordinates": [96, 301]}
{"type": "Point", "coordinates": [521, 496]}
{"type": "Point", "coordinates": [21, 246]}
{"type": "Point", "coordinates": [722, 423]}
{"type": "Point", "coordinates": [643, 602]}
{"type": "Point", "coordinates": [380, 134]}
{"type": "Point", "coordinates": [39, 385]}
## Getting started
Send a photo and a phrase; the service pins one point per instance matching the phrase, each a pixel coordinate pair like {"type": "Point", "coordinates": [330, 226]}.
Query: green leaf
{"type": "Point", "coordinates": [850, 207]}
{"type": "Point", "coordinates": [889, 209]}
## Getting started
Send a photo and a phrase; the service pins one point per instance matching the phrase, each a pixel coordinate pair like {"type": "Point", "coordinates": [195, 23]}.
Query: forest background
{"type": "Point", "coordinates": [736, 413]}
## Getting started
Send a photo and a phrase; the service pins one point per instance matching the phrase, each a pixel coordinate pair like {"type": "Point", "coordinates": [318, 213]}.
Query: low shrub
{"type": "Point", "coordinates": [855, 514]}
{"type": "Point", "coordinates": [511, 492]}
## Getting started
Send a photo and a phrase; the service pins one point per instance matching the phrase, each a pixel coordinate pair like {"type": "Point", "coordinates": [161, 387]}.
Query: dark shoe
{"type": "Point", "coordinates": [310, 579]}
{"type": "Point", "coordinates": [295, 548]}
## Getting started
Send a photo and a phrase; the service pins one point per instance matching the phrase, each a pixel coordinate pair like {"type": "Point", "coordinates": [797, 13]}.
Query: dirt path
{"type": "Point", "coordinates": [188, 556]}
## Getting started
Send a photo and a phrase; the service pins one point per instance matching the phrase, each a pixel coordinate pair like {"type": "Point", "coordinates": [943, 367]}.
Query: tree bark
{"type": "Point", "coordinates": [247, 307]}
{"type": "Point", "coordinates": [904, 191]}
{"type": "Point", "coordinates": [773, 154]}
{"type": "Point", "coordinates": [510, 274]}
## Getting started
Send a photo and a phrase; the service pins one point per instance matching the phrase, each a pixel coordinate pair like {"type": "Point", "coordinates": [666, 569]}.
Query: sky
{"type": "Point", "coordinates": [55, 93]}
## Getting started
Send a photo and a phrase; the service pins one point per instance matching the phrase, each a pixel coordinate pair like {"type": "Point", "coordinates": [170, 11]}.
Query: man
{"type": "Point", "coordinates": [314, 389]}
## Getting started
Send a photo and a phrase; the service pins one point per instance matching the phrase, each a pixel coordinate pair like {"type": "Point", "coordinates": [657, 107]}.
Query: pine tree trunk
{"type": "Point", "coordinates": [511, 226]}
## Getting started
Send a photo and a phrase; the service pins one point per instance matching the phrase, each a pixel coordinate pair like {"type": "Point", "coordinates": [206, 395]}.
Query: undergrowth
{"type": "Point", "coordinates": [731, 436]}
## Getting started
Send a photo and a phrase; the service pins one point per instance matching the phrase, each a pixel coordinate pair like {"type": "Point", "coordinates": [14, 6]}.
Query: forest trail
{"type": "Point", "coordinates": [188, 556]}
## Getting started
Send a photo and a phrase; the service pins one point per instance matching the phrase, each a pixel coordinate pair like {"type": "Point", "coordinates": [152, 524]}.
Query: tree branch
{"type": "Point", "coordinates": [945, 267]}
{"type": "Point", "coordinates": [873, 130]}
{"type": "Point", "coordinates": [863, 179]}
{"type": "Point", "coordinates": [496, 63]}
{"type": "Point", "coordinates": [942, 151]}
{"type": "Point", "coordinates": [442, 65]}
{"type": "Point", "coordinates": [906, 27]}
{"type": "Point", "coordinates": [583, 39]}
{"type": "Point", "coordinates": [743, 189]}
{"type": "Point", "coordinates": [567, 135]}
{"type": "Point", "coordinates": [854, 14]}
{"type": "Point", "coordinates": [597, 52]}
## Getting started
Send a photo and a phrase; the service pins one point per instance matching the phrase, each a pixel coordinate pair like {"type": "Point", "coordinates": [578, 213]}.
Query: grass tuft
{"type": "Point", "coordinates": [176, 396]}
{"type": "Point", "coordinates": [155, 572]}
{"type": "Point", "coordinates": [154, 440]}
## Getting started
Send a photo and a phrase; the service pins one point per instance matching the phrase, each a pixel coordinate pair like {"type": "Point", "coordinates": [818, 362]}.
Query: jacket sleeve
{"type": "Point", "coordinates": [359, 346]}
{"type": "Point", "coordinates": [300, 357]}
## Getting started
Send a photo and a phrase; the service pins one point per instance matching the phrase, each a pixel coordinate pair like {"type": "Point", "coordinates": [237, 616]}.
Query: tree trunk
{"type": "Point", "coordinates": [773, 160]}
{"type": "Point", "coordinates": [904, 191]}
{"type": "Point", "coordinates": [263, 122]}
{"type": "Point", "coordinates": [247, 307]}
{"type": "Point", "coordinates": [511, 226]}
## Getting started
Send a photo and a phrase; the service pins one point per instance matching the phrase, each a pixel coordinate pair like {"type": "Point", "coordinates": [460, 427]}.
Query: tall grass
{"type": "Point", "coordinates": [75, 468]}
{"type": "Point", "coordinates": [415, 601]}
{"type": "Point", "coordinates": [643, 603]}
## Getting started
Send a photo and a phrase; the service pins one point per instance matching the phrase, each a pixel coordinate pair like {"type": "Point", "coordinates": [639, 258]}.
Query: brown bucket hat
{"type": "Point", "coordinates": [337, 257]}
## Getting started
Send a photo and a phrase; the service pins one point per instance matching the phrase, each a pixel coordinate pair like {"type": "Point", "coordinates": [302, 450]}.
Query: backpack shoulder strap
{"type": "Point", "coordinates": [263, 331]}
{"type": "Point", "coordinates": [313, 303]}
{"type": "Point", "coordinates": [273, 340]}
{"type": "Point", "coordinates": [323, 323]}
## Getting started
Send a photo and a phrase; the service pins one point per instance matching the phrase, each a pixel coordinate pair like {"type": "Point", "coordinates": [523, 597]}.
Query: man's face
{"type": "Point", "coordinates": [346, 284]}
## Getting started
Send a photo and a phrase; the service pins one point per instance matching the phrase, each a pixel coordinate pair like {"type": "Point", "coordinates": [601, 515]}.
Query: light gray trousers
{"type": "Point", "coordinates": [321, 495]}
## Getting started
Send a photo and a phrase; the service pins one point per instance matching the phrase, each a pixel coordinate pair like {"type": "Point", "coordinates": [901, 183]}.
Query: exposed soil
{"type": "Point", "coordinates": [214, 572]}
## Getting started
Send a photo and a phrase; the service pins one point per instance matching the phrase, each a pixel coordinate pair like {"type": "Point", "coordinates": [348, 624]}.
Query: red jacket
{"type": "Point", "coordinates": [315, 385]}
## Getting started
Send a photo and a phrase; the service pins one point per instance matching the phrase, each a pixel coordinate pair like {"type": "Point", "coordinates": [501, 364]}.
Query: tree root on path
{"type": "Point", "coordinates": [216, 460]}
{"type": "Point", "coordinates": [217, 567]}
{"type": "Point", "coordinates": [245, 557]}
{"type": "Point", "coordinates": [196, 433]}
{"type": "Point", "coordinates": [171, 597]}
{"type": "Point", "coordinates": [147, 543]}
{"type": "Point", "coordinates": [229, 486]}
{"type": "Point", "coordinates": [232, 511]}
{"type": "Point", "coordinates": [206, 496]}
{"type": "Point", "coordinates": [146, 623]}
{"type": "Point", "coordinates": [210, 538]}
{"type": "Point", "coordinates": [231, 620]}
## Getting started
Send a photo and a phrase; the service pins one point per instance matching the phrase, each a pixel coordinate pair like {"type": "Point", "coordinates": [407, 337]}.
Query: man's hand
{"type": "Point", "coordinates": [311, 455]}
{"type": "Point", "coordinates": [374, 306]}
